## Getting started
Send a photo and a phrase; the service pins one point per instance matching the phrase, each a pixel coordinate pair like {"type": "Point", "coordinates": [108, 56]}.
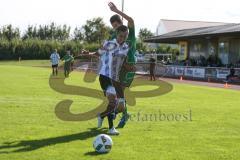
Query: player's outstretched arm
{"type": "Point", "coordinates": [87, 53]}
{"type": "Point", "coordinates": [116, 10]}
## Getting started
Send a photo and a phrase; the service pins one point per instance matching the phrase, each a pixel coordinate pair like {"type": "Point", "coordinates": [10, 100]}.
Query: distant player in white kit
{"type": "Point", "coordinates": [55, 58]}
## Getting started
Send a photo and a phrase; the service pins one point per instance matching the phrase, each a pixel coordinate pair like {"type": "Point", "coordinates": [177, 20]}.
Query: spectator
{"type": "Point", "coordinates": [232, 73]}
{"type": "Point", "coordinates": [152, 68]}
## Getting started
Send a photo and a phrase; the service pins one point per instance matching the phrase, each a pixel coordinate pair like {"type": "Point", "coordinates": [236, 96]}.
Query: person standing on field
{"type": "Point", "coordinates": [68, 58]}
{"type": "Point", "coordinates": [152, 68]}
{"type": "Point", "coordinates": [55, 58]}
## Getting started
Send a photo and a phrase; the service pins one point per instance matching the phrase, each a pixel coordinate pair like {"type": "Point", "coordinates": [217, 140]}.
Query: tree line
{"type": "Point", "coordinates": [95, 30]}
{"type": "Point", "coordinates": [38, 41]}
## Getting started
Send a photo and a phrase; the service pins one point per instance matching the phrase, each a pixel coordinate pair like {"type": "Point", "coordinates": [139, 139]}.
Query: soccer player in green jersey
{"type": "Point", "coordinates": [68, 59]}
{"type": "Point", "coordinates": [128, 69]}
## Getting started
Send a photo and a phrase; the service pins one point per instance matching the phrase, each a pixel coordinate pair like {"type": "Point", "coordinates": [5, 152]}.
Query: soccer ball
{"type": "Point", "coordinates": [102, 143]}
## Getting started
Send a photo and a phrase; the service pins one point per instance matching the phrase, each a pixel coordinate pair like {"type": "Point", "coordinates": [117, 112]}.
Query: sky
{"type": "Point", "coordinates": [146, 13]}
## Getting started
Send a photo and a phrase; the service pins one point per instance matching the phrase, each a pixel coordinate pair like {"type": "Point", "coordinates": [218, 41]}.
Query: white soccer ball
{"type": "Point", "coordinates": [102, 143]}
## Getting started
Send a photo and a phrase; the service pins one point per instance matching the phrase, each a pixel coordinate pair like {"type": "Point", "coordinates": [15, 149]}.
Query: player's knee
{"type": "Point", "coordinates": [112, 99]}
{"type": "Point", "coordinates": [111, 94]}
{"type": "Point", "coordinates": [121, 105]}
{"type": "Point", "coordinates": [111, 90]}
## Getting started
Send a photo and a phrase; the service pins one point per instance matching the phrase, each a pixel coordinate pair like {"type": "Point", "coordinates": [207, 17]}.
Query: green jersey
{"type": "Point", "coordinates": [113, 36]}
{"type": "Point", "coordinates": [131, 41]}
{"type": "Point", "coordinates": [68, 58]}
{"type": "Point", "coordinates": [126, 77]}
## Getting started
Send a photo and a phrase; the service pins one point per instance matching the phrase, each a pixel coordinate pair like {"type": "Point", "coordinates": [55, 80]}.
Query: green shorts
{"type": "Point", "coordinates": [126, 77]}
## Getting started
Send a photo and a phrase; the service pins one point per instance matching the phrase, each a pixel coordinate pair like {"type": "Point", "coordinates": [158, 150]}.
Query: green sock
{"type": "Point", "coordinates": [125, 111]}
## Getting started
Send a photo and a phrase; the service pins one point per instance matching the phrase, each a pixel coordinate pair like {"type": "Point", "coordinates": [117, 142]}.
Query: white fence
{"type": "Point", "coordinates": [203, 73]}
{"type": "Point", "coordinates": [187, 71]}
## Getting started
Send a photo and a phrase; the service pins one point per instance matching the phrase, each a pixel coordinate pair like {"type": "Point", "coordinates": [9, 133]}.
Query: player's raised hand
{"type": "Point", "coordinates": [112, 7]}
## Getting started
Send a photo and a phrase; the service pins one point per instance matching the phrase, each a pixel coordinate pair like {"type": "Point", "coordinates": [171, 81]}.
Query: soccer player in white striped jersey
{"type": "Point", "coordinates": [112, 55]}
{"type": "Point", "coordinates": [55, 58]}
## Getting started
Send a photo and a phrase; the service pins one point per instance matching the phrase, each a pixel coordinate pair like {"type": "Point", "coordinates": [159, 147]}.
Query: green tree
{"type": "Point", "coordinates": [78, 34]}
{"type": "Point", "coordinates": [9, 32]}
{"type": "Point", "coordinates": [144, 33]}
{"type": "Point", "coordinates": [95, 30]}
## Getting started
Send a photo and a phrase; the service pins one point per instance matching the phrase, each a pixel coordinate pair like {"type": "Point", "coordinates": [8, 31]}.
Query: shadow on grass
{"type": "Point", "coordinates": [93, 153]}
{"type": "Point", "coordinates": [31, 145]}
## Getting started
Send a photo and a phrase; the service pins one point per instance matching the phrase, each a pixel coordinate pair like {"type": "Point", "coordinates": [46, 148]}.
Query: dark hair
{"type": "Point", "coordinates": [122, 28]}
{"type": "Point", "coordinates": [115, 18]}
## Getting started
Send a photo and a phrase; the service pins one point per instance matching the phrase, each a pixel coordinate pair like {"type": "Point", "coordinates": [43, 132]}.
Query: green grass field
{"type": "Point", "coordinates": [30, 129]}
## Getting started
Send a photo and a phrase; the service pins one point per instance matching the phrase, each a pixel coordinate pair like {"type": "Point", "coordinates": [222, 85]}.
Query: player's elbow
{"type": "Point", "coordinates": [130, 20]}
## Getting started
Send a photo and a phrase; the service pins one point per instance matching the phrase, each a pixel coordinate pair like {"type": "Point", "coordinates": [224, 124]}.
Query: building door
{"type": "Point", "coordinates": [223, 53]}
{"type": "Point", "coordinates": [234, 51]}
